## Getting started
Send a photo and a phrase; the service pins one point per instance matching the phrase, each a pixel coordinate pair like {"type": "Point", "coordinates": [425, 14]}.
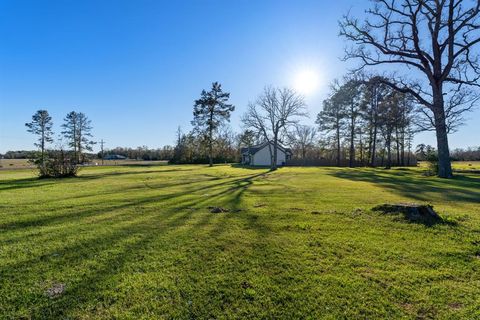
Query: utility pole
{"type": "Point", "coordinates": [101, 148]}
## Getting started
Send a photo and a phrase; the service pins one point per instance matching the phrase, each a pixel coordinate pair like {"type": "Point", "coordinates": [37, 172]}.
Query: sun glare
{"type": "Point", "coordinates": [306, 82]}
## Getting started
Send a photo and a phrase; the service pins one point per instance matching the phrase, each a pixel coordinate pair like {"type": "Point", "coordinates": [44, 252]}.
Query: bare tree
{"type": "Point", "coordinates": [274, 111]}
{"type": "Point", "coordinates": [435, 41]}
{"type": "Point", "coordinates": [302, 137]}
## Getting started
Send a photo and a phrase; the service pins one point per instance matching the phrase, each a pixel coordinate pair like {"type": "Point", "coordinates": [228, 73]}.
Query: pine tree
{"type": "Point", "coordinates": [211, 111]}
{"type": "Point", "coordinates": [41, 126]}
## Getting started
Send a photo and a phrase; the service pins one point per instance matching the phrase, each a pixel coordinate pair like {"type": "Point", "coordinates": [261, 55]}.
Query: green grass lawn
{"type": "Point", "coordinates": [466, 165]}
{"type": "Point", "coordinates": [140, 242]}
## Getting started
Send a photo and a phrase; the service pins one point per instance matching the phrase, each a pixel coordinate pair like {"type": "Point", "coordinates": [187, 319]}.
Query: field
{"type": "Point", "coordinates": [8, 164]}
{"type": "Point", "coordinates": [141, 242]}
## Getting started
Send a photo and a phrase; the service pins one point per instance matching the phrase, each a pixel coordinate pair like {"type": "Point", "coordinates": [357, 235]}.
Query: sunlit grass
{"type": "Point", "coordinates": [132, 242]}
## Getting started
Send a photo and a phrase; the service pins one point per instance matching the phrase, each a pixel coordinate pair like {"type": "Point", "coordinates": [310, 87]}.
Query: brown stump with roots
{"type": "Point", "coordinates": [412, 212]}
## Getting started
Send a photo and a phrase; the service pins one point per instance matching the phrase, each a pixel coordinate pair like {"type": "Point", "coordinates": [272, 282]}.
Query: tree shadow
{"type": "Point", "coordinates": [128, 236]}
{"type": "Point", "coordinates": [13, 184]}
{"type": "Point", "coordinates": [241, 166]}
{"type": "Point", "coordinates": [410, 184]}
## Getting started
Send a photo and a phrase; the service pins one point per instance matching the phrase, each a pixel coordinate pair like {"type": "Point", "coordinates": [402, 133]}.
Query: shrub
{"type": "Point", "coordinates": [56, 165]}
{"type": "Point", "coordinates": [432, 161]}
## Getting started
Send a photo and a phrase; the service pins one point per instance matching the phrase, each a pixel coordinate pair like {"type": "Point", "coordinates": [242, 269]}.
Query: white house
{"type": "Point", "coordinates": [260, 155]}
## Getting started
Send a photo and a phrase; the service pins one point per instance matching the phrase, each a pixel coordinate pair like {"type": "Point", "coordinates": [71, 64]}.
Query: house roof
{"type": "Point", "coordinates": [254, 149]}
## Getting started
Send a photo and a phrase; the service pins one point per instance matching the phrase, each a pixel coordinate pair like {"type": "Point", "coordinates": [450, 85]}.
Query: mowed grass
{"type": "Point", "coordinates": [140, 242]}
{"type": "Point", "coordinates": [466, 165]}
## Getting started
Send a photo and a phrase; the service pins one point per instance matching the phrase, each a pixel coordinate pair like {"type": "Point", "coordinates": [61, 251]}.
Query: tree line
{"type": "Point", "coordinates": [362, 123]}
{"type": "Point", "coordinates": [369, 118]}
{"type": "Point", "coordinates": [366, 122]}
{"type": "Point", "coordinates": [431, 44]}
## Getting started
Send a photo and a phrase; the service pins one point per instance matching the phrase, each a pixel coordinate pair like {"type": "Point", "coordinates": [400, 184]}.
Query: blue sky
{"type": "Point", "coordinates": [135, 67]}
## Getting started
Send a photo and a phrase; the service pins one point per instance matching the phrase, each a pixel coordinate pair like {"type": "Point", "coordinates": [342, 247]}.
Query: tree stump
{"type": "Point", "coordinates": [411, 211]}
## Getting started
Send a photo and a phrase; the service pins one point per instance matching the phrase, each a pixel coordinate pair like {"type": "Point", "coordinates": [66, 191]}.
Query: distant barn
{"type": "Point", "coordinates": [114, 157]}
{"type": "Point", "coordinates": [260, 155]}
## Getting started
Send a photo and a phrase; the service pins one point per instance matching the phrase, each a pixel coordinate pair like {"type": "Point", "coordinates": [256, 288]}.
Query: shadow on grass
{"type": "Point", "coordinates": [25, 183]}
{"type": "Point", "coordinates": [242, 166]}
{"type": "Point", "coordinates": [114, 249]}
{"type": "Point", "coordinates": [232, 186]}
{"type": "Point", "coordinates": [13, 184]}
{"type": "Point", "coordinates": [412, 185]}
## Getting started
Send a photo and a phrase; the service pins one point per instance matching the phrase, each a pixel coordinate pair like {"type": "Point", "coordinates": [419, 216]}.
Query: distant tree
{"type": "Point", "coordinates": [274, 111]}
{"type": "Point", "coordinates": [422, 151]}
{"type": "Point", "coordinates": [350, 96]}
{"type": "Point", "coordinates": [70, 132]}
{"type": "Point", "coordinates": [434, 41]}
{"type": "Point", "coordinates": [388, 117]}
{"type": "Point", "coordinates": [332, 119]}
{"type": "Point", "coordinates": [211, 111]}
{"type": "Point", "coordinates": [84, 135]}
{"type": "Point", "coordinates": [77, 132]}
{"type": "Point", "coordinates": [302, 137]}
{"type": "Point", "coordinates": [375, 93]}
{"type": "Point", "coordinates": [247, 138]}
{"type": "Point", "coordinates": [41, 126]}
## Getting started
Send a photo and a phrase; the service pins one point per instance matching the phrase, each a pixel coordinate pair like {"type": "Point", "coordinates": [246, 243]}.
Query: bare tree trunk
{"type": "Point", "coordinates": [275, 146]}
{"type": "Point", "coordinates": [210, 142]}
{"type": "Point", "coordinates": [444, 162]}
{"type": "Point", "coordinates": [374, 147]}
{"type": "Point", "coordinates": [352, 142]}
{"type": "Point", "coordinates": [43, 147]}
{"type": "Point", "coordinates": [383, 157]}
{"type": "Point", "coordinates": [370, 144]}
{"type": "Point", "coordinates": [402, 144]}
{"type": "Point", "coordinates": [361, 150]}
{"type": "Point", "coordinates": [397, 142]}
{"type": "Point", "coordinates": [388, 143]}
{"type": "Point", "coordinates": [338, 145]}
{"type": "Point", "coordinates": [75, 141]}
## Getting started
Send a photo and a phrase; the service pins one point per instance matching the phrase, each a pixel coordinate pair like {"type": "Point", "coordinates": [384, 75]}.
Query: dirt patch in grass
{"type": "Point", "coordinates": [56, 290]}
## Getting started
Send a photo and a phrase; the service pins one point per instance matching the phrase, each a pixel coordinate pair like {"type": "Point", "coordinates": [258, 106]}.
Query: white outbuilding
{"type": "Point", "coordinates": [260, 155]}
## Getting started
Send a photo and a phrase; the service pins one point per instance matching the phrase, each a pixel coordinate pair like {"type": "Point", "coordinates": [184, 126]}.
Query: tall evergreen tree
{"type": "Point", "coordinates": [41, 125]}
{"type": "Point", "coordinates": [332, 119]}
{"type": "Point", "coordinates": [209, 112]}
{"type": "Point", "coordinates": [349, 95]}
{"type": "Point", "coordinates": [77, 131]}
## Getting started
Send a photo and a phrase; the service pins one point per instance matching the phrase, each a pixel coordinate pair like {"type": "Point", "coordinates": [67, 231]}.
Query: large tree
{"type": "Point", "coordinates": [332, 119]}
{"type": "Point", "coordinates": [210, 112]}
{"type": "Point", "coordinates": [77, 131]}
{"type": "Point", "coordinates": [41, 126]}
{"type": "Point", "coordinates": [375, 93]}
{"type": "Point", "coordinates": [350, 96]}
{"type": "Point", "coordinates": [274, 111]}
{"type": "Point", "coordinates": [435, 41]}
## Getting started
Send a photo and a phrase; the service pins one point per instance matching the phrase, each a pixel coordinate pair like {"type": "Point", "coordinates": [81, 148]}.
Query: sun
{"type": "Point", "coordinates": [306, 81]}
